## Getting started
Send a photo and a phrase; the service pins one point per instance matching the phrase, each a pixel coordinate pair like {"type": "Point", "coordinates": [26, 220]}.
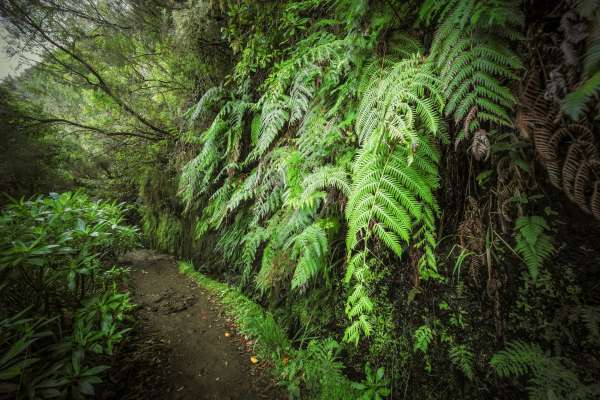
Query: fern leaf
{"type": "Point", "coordinates": [532, 243]}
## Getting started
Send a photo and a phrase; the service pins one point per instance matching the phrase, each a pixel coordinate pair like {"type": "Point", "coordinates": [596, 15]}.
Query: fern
{"type": "Point", "coordinates": [576, 102]}
{"type": "Point", "coordinates": [590, 315]}
{"type": "Point", "coordinates": [310, 249]}
{"type": "Point", "coordinates": [462, 358]}
{"type": "Point", "coordinates": [550, 379]}
{"type": "Point", "coordinates": [398, 100]}
{"type": "Point", "coordinates": [197, 174]}
{"type": "Point", "coordinates": [533, 244]}
{"type": "Point", "coordinates": [470, 50]}
{"type": "Point", "coordinates": [297, 75]}
{"type": "Point", "coordinates": [327, 176]}
{"type": "Point", "coordinates": [208, 99]}
{"type": "Point", "coordinates": [251, 242]}
{"type": "Point", "coordinates": [388, 196]}
{"type": "Point", "coordinates": [422, 339]}
{"type": "Point", "coordinates": [274, 115]}
{"type": "Point", "coordinates": [394, 174]}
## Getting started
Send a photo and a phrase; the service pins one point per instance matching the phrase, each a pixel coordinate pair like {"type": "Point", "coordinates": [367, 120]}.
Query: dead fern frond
{"type": "Point", "coordinates": [595, 201]}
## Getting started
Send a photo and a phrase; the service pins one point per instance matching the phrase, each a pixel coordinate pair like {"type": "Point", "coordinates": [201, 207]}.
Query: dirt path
{"type": "Point", "coordinates": [186, 344]}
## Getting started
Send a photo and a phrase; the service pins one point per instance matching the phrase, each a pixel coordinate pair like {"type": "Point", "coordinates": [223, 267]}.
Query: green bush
{"type": "Point", "coordinates": [61, 312]}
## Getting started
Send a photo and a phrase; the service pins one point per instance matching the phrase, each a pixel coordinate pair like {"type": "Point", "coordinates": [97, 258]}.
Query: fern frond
{"type": "Point", "coordinates": [394, 174]}
{"type": "Point", "coordinates": [532, 243]}
{"type": "Point", "coordinates": [575, 103]}
{"type": "Point", "coordinates": [517, 359]}
{"type": "Point", "coordinates": [423, 337]}
{"type": "Point", "coordinates": [310, 249]}
{"type": "Point", "coordinates": [470, 50]}
{"type": "Point", "coordinates": [462, 358]}
{"type": "Point", "coordinates": [209, 98]}
{"type": "Point", "coordinates": [327, 176]}
{"type": "Point", "coordinates": [549, 377]}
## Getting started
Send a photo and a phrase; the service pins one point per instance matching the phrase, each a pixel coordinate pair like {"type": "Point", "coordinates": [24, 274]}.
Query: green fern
{"type": "Point", "coordinates": [328, 176]}
{"type": "Point", "coordinates": [251, 242]}
{"type": "Point", "coordinates": [549, 378]}
{"type": "Point", "coordinates": [462, 358]}
{"type": "Point", "coordinates": [389, 195]}
{"type": "Point", "coordinates": [290, 88]}
{"type": "Point", "coordinates": [576, 102]}
{"type": "Point", "coordinates": [517, 359]}
{"type": "Point", "coordinates": [197, 174]}
{"type": "Point", "coordinates": [532, 243]}
{"type": "Point", "coordinates": [208, 99]}
{"type": "Point", "coordinates": [394, 174]}
{"type": "Point", "coordinates": [310, 249]}
{"type": "Point", "coordinates": [397, 100]}
{"type": "Point", "coordinates": [470, 50]}
{"type": "Point", "coordinates": [422, 339]}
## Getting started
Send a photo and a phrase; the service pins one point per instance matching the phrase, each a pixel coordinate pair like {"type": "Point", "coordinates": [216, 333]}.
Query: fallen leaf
{"type": "Point", "coordinates": [253, 360]}
{"type": "Point", "coordinates": [227, 334]}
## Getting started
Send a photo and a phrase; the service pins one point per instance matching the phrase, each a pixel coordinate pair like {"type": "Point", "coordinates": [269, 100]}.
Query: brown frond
{"type": "Point", "coordinates": [480, 147]}
{"type": "Point", "coordinates": [580, 187]}
{"type": "Point", "coordinates": [595, 201]}
{"type": "Point", "coordinates": [575, 157]}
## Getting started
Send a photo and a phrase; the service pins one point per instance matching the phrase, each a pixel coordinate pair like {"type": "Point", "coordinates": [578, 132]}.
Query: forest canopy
{"type": "Point", "coordinates": [410, 188]}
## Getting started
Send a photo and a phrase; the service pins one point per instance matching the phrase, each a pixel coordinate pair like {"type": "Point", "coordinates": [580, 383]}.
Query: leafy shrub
{"type": "Point", "coordinates": [60, 309]}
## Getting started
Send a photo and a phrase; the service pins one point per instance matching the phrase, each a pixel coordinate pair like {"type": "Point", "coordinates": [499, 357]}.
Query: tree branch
{"type": "Point", "coordinates": [40, 121]}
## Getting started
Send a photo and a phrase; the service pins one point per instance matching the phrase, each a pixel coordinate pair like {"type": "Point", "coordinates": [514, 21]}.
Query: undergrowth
{"type": "Point", "coordinates": [313, 371]}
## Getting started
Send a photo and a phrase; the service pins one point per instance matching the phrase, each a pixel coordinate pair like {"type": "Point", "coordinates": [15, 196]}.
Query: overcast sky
{"type": "Point", "coordinates": [7, 65]}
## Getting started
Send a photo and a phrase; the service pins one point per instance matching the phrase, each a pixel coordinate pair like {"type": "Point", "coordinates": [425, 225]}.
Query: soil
{"type": "Point", "coordinates": [183, 346]}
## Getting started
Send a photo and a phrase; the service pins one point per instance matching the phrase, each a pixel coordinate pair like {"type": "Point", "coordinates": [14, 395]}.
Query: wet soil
{"type": "Point", "coordinates": [183, 346]}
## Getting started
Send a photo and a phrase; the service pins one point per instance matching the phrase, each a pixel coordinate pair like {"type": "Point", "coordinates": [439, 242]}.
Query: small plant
{"type": "Point", "coordinates": [375, 385]}
{"type": "Point", "coordinates": [533, 244]}
{"type": "Point", "coordinates": [549, 377]}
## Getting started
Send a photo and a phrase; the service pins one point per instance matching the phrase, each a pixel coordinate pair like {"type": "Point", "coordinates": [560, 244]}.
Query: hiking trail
{"type": "Point", "coordinates": [184, 346]}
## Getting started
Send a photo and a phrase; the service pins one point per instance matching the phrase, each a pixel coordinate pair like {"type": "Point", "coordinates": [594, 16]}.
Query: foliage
{"type": "Point", "coordinates": [60, 306]}
{"type": "Point", "coordinates": [576, 102]}
{"type": "Point", "coordinates": [394, 176]}
{"type": "Point", "coordinates": [375, 386]}
{"type": "Point", "coordinates": [533, 244]}
{"type": "Point", "coordinates": [314, 371]}
{"type": "Point", "coordinates": [470, 50]}
{"type": "Point", "coordinates": [549, 377]}
{"type": "Point", "coordinates": [298, 150]}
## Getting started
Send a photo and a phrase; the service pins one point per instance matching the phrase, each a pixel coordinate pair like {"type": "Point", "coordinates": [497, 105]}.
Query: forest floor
{"type": "Point", "coordinates": [183, 346]}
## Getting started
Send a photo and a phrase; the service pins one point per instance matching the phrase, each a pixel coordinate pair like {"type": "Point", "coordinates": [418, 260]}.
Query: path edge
{"type": "Point", "coordinates": [271, 344]}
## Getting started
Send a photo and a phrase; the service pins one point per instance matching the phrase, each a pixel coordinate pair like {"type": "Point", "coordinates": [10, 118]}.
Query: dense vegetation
{"type": "Point", "coordinates": [411, 189]}
{"type": "Point", "coordinates": [61, 311]}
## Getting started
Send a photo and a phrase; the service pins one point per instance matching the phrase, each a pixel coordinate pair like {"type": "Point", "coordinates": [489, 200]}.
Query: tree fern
{"type": "Point", "coordinates": [533, 244]}
{"type": "Point", "coordinates": [290, 88]}
{"type": "Point", "coordinates": [470, 50]}
{"type": "Point", "coordinates": [394, 174]}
